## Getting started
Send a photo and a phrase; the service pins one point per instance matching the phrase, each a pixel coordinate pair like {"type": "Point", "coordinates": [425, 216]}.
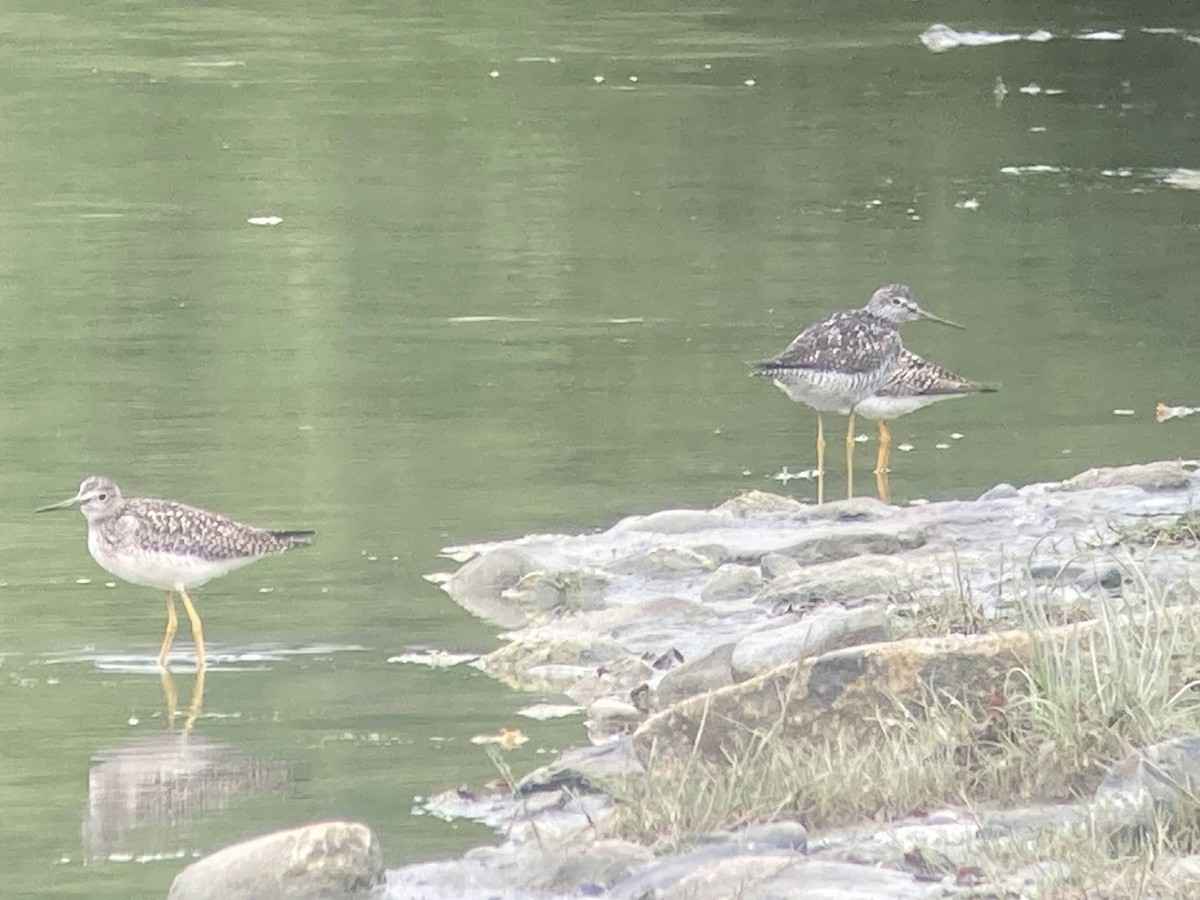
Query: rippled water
{"type": "Point", "coordinates": [523, 257]}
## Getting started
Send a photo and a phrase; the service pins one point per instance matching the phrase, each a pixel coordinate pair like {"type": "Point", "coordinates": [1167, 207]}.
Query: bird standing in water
{"type": "Point", "coordinates": [914, 384]}
{"type": "Point", "coordinates": [836, 364]}
{"type": "Point", "coordinates": [171, 546]}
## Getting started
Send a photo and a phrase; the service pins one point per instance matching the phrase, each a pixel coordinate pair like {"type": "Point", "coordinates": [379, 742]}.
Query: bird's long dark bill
{"type": "Point", "coordinates": [65, 504]}
{"type": "Point", "coordinates": [932, 318]}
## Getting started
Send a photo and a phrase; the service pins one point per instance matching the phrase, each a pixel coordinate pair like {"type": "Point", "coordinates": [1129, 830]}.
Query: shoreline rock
{"type": "Point", "coordinates": [684, 632]}
{"type": "Point", "coordinates": [313, 862]}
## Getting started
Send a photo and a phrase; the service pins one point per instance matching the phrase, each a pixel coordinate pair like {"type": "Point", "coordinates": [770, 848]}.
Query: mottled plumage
{"type": "Point", "coordinates": [914, 384]}
{"type": "Point", "coordinates": [835, 365]}
{"type": "Point", "coordinates": [169, 545]}
{"type": "Point", "coordinates": [145, 524]}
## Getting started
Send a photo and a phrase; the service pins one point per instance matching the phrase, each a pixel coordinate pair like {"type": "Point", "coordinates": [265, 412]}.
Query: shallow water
{"type": "Point", "coordinates": [512, 289]}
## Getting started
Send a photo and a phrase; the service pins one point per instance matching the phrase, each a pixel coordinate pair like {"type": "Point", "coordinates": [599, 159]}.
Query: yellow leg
{"type": "Point", "coordinates": [172, 627]}
{"type": "Point", "coordinates": [197, 700]}
{"type": "Point", "coordinates": [850, 458]}
{"type": "Point", "coordinates": [820, 460]}
{"type": "Point", "coordinates": [885, 448]}
{"type": "Point", "coordinates": [171, 694]}
{"type": "Point", "coordinates": [197, 628]}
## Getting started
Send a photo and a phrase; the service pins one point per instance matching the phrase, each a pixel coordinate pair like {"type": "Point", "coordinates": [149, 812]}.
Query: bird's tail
{"type": "Point", "coordinates": [295, 538]}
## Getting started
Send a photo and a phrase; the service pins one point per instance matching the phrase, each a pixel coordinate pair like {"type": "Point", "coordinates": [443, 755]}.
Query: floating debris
{"type": "Point", "coordinates": [969, 203]}
{"type": "Point", "coordinates": [264, 220]}
{"type": "Point", "coordinates": [1035, 169]}
{"type": "Point", "coordinates": [861, 438]}
{"type": "Point", "coordinates": [941, 446]}
{"type": "Point", "coordinates": [434, 659]}
{"type": "Point", "coordinates": [494, 73]}
{"type": "Point", "coordinates": [904, 448]}
{"type": "Point", "coordinates": [505, 738]}
{"type": "Point", "coordinates": [749, 82]}
{"type": "Point", "coordinates": [785, 476]}
{"type": "Point", "coordinates": [1033, 89]}
{"type": "Point", "coordinates": [544, 711]}
{"type": "Point", "coordinates": [599, 79]}
{"type": "Point", "coordinates": [1183, 178]}
{"type": "Point", "coordinates": [1101, 35]}
{"type": "Point", "coordinates": [475, 319]}
{"type": "Point", "coordinates": [1162, 412]}
{"type": "Point", "coordinates": [956, 435]}
{"type": "Point", "coordinates": [1124, 412]}
{"type": "Point", "coordinates": [941, 37]}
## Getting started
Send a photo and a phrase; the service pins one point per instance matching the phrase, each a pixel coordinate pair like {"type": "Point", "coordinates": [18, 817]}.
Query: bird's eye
{"type": "Point", "coordinates": [102, 496]}
{"type": "Point", "coordinates": [897, 301]}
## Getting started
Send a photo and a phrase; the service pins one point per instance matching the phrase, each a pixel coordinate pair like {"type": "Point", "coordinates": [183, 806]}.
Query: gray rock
{"type": "Point", "coordinates": [819, 631]}
{"type": "Point", "coordinates": [857, 540]}
{"type": "Point", "coordinates": [314, 862]}
{"type": "Point", "coordinates": [672, 521]}
{"type": "Point", "coordinates": [519, 872]}
{"type": "Point", "coordinates": [598, 865]}
{"type": "Point", "coordinates": [1002, 491]}
{"type": "Point", "coordinates": [699, 676]}
{"type": "Point", "coordinates": [663, 562]}
{"type": "Point", "coordinates": [1026, 823]}
{"type": "Point", "coordinates": [848, 579]}
{"type": "Point", "coordinates": [770, 836]}
{"type": "Point", "coordinates": [528, 663]}
{"type": "Point", "coordinates": [759, 878]}
{"type": "Point", "coordinates": [1180, 870]}
{"type": "Point", "coordinates": [758, 503]}
{"type": "Point", "coordinates": [538, 593]}
{"type": "Point", "coordinates": [1166, 474]}
{"type": "Point", "coordinates": [659, 876]}
{"type": "Point", "coordinates": [732, 582]}
{"type": "Point", "coordinates": [775, 565]}
{"type": "Point", "coordinates": [604, 767]}
{"type": "Point", "coordinates": [1157, 786]}
{"type": "Point", "coordinates": [609, 716]}
{"type": "Point", "coordinates": [480, 584]}
{"type": "Point", "coordinates": [618, 677]}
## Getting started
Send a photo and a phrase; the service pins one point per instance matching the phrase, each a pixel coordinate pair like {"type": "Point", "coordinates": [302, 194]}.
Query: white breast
{"type": "Point", "coordinates": [165, 571]}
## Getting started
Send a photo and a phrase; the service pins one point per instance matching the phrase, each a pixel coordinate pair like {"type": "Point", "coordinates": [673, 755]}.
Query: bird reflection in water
{"type": "Point", "coordinates": [142, 797]}
{"type": "Point", "coordinates": [171, 692]}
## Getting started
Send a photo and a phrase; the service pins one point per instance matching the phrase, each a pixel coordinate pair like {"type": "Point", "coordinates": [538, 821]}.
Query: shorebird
{"type": "Point", "coordinates": [169, 545]}
{"type": "Point", "coordinates": [914, 384]}
{"type": "Point", "coordinates": [836, 364]}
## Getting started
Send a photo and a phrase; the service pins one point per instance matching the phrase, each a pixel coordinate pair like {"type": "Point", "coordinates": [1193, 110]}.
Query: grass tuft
{"type": "Point", "coordinates": [1049, 733]}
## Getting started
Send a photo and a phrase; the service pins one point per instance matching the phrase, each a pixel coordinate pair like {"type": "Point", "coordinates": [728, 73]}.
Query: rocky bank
{"type": "Point", "coordinates": [684, 633]}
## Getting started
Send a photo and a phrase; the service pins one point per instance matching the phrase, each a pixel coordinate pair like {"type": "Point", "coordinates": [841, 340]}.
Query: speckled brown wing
{"type": "Point", "coordinates": [172, 527]}
{"type": "Point", "coordinates": [849, 342]}
{"type": "Point", "coordinates": [914, 375]}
